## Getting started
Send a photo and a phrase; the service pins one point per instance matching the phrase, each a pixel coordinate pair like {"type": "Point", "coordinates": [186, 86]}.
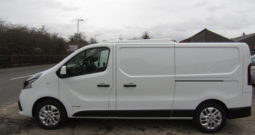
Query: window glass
{"type": "Point", "coordinates": [74, 66]}
{"type": "Point", "coordinates": [253, 60]}
{"type": "Point", "coordinates": [89, 61]}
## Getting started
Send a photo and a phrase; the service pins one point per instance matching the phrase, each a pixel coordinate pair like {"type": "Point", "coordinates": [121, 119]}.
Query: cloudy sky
{"type": "Point", "coordinates": [109, 19]}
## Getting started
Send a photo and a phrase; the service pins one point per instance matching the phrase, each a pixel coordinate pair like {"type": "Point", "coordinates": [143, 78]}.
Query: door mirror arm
{"type": "Point", "coordinates": [63, 70]}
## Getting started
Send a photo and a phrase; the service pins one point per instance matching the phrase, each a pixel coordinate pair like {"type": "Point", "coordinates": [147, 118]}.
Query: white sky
{"type": "Point", "coordinates": [109, 19]}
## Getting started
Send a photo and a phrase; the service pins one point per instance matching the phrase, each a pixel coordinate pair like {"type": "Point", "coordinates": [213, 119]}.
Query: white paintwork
{"type": "Point", "coordinates": [81, 92]}
{"type": "Point", "coordinates": [209, 62]}
{"type": "Point", "coordinates": [154, 67]}
{"type": "Point", "coordinates": [152, 73]}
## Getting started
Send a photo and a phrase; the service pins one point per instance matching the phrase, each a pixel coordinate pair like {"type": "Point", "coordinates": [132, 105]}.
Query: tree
{"type": "Point", "coordinates": [78, 39]}
{"type": "Point", "coordinates": [92, 41]}
{"type": "Point", "coordinates": [2, 26]}
{"type": "Point", "coordinates": [146, 35]}
{"type": "Point", "coordinates": [21, 45]}
{"type": "Point", "coordinates": [23, 40]}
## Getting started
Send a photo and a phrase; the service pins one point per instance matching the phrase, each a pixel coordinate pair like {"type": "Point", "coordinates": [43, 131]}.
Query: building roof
{"type": "Point", "coordinates": [241, 38]}
{"type": "Point", "coordinates": [206, 36]}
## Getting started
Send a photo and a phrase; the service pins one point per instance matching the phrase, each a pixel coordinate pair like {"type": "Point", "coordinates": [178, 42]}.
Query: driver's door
{"type": "Point", "coordinates": [88, 82]}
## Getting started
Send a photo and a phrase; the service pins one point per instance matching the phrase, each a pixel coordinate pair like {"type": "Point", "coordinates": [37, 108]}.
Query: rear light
{"type": "Point", "coordinates": [249, 74]}
{"type": "Point", "coordinates": [19, 105]}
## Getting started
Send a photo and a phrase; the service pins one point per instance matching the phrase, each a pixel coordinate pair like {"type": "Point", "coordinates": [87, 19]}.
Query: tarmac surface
{"type": "Point", "coordinates": [11, 81]}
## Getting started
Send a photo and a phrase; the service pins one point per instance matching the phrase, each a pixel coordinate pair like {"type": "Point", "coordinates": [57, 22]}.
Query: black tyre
{"type": "Point", "coordinates": [210, 117]}
{"type": "Point", "coordinates": [50, 114]}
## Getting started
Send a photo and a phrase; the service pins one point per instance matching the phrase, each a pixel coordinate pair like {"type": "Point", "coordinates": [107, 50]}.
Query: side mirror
{"type": "Point", "coordinates": [63, 70]}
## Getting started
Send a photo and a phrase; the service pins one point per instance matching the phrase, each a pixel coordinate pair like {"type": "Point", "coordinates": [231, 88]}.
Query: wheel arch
{"type": "Point", "coordinates": [214, 101]}
{"type": "Point", "coordinates": [43, 99]}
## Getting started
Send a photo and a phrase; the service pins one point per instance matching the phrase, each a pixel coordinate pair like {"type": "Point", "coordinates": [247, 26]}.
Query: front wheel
{"type": "Point", "coordinates": [210, 117]}
{"type": "Point", "coordinates": [50, 114]}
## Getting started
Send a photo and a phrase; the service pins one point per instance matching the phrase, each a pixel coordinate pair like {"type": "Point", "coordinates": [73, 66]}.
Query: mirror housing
{"type": "Point", "coordinates": [63, 70]}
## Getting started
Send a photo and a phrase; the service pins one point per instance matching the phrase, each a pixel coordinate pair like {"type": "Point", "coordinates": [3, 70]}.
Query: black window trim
{"type": "Point", "coordinates": [69, 76]}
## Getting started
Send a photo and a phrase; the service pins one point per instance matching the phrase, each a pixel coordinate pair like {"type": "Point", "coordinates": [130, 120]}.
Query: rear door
{"type": "Point", "coordinates": [145, 80]}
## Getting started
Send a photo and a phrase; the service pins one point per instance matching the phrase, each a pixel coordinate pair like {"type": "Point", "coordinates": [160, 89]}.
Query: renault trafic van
{"type": "Point", "coordinates": [206, 82]}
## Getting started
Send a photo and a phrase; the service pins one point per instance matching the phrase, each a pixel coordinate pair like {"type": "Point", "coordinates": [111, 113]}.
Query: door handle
{"type": "Point", "coordinates": [103, 85]}
{"type": "Point", "coordinates": [129, 85]}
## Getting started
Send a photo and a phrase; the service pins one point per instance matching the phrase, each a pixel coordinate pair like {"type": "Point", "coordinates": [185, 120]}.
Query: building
{"type": "Point", "coordinates": [249, 39]}
{"type": "Point", "coordinates": [72, 48]}
{"type": "Point", "coordinates": [207, 36]}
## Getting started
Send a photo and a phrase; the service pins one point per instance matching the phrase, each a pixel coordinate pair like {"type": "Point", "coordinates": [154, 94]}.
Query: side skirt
{"type": "Point", "coordinates": [135, 113]}
{"type": "Point", "coordinates": [134, 118]}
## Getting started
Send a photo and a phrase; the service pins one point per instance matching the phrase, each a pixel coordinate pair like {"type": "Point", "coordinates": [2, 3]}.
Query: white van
{"type": "Point", "coordinates": [206, 82]}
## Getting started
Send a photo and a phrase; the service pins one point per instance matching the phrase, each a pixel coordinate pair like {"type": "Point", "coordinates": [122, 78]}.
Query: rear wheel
{"type": "Point", "coordinates": [50, 114]}
{"type": "Point", "coordinates": [210, 117]}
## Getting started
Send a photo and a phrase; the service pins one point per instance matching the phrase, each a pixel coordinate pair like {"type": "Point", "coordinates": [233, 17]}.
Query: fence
{"type": "Point", "coordinates": [24, 60]}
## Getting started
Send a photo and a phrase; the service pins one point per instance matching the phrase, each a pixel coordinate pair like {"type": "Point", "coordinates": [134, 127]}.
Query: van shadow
{"type": "Point", "coordinates": [116, 126]}
{"type": "Point", "coordinates": [108, 126]}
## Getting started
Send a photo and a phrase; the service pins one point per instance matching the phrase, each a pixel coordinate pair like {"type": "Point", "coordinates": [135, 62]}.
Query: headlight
{"type": "Point", "coordinates": [30, 80]}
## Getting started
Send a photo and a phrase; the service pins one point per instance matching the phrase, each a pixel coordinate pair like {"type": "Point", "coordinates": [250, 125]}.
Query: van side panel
{"type": "Point", "coordinates": [150, 69]}
{"type": "Point", "coordinates": [212, 71]}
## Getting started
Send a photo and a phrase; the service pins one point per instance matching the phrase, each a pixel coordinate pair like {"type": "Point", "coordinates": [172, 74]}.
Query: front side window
{"type": "Point", "coordinates": [89, 61]}
{"type": "Point", "coordinates": [253, 60]}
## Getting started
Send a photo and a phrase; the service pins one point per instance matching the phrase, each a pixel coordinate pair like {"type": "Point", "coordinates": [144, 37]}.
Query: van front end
{"type": "Point", "coordinates": [37, 87]}
{"type": "Point", "coordinates": [27, 95]}
{"type": "Point", "coordinates": [26, 102]}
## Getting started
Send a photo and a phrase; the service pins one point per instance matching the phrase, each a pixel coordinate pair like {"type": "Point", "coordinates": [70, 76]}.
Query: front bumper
{"type": "Point", "coordinates": [25, 103]}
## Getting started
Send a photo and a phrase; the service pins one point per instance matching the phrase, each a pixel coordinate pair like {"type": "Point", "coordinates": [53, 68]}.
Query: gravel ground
{"type": "Point", "coordinates": [11, 123]}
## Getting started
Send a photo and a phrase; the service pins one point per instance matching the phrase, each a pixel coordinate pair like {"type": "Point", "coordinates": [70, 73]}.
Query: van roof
{"type": "Point", "coordinates": [142, 41]}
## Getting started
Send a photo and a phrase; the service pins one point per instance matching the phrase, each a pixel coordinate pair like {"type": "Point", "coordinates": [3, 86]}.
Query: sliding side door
{"type": "Point", "coordinates": [145, 80]}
